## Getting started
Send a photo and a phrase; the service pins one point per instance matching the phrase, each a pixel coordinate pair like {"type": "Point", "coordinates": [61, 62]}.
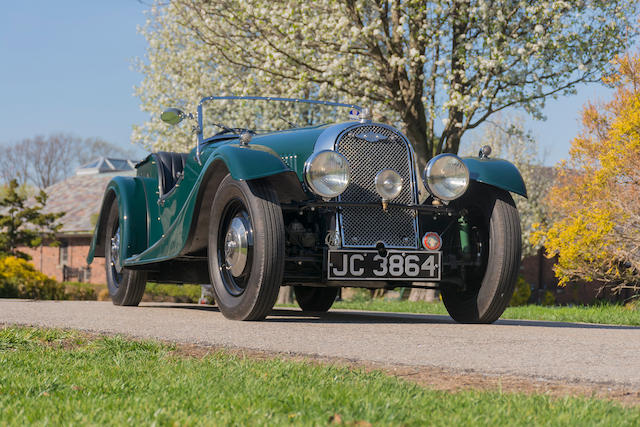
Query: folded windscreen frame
{"type": "Point", "coordinates": [263, 114]}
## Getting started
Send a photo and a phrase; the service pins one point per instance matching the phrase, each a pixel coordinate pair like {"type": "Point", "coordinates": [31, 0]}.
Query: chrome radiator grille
{"type": "Point", "coordinates": [369, 149]}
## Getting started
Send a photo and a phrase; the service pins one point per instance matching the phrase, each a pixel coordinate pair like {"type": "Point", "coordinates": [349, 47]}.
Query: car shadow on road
{"type": "Point", "coordinates": [413, 318]}
{"type": "Point", "coordinates": [298, 316]}
{"type": "Point", "coordinates": [550, 324]}
{"type": "Point", "coordinates": [280, 315]}
{"type": "Point", "coordinates": [360, 317]}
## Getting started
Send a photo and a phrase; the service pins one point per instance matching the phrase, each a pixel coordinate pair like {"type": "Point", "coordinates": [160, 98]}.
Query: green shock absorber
{"type": "Point", "coordinates": [465, 245]}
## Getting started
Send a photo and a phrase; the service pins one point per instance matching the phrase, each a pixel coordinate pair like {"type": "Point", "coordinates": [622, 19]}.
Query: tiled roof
{"type": "Point", "coordinates": [106, 165]}
{"type": "Point", "coordinates": [80, 197]}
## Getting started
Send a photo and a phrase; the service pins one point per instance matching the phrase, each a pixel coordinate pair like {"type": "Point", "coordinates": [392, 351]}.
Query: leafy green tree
{"type": "Point", "coordinates": [436, 68]}
{"type": "Point", "coordinates": [22, 222]}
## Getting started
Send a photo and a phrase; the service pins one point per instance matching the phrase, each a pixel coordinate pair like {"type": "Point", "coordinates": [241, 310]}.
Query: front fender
{"type": "Point", "coordinates": [249, 162]}
{"type": "Point", "coordinates": [496, 172]}
{"type": "Point", "coordinates": [129, 193]}
{"type": "Point", "coordinates": [188, 232]}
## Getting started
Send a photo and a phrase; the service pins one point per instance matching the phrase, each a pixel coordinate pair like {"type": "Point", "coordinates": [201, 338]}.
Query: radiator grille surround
{"type": "Point", "coordinates": [370, 149]}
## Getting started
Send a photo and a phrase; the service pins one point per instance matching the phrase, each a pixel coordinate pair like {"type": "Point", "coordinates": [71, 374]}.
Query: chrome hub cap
{"type": "Point", "coordinates": [115, 250]}
{"type": "Point", "coordinates": [236, 246]}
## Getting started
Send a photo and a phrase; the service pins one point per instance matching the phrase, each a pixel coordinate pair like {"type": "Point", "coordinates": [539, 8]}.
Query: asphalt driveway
{"type": "Point", "coordinates": [550, 350]}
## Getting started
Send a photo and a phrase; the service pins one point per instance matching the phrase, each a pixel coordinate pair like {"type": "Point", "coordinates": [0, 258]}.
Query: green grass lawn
{"type": "Point", "coordinates": [604, 313]}
{"type": "Point", "coordinates": [60, 377]}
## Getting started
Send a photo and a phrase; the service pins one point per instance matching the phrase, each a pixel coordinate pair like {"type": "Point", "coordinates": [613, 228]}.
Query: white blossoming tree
{"type": "Point", "coordinates": [435, 68]}
{"type": "Point", "coordinates": [509, 140]}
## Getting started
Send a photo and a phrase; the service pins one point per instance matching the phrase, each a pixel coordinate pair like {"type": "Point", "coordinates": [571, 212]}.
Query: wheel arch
{"type": "Point", "coordinates": [128, 192]}
{"type": "Point", "coordinates": [261, 163]}
{"type": "Point", "coordinates": [496, 173]}
{"type": "Point", "coordinates": [199, 230]}
{"type": "Point", "coordinates": [285, 182]}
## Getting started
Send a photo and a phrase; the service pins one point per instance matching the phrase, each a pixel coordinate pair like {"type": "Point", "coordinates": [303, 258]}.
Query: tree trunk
{"type": "Point", "coordinates": [428, 295]}
{"type": "Point", "coordinates": [285, 296]}
{"type": "Point", "coordinates": [454, 131]}
{"type": "Point", "coordinates": [453, 139]}
{"type": "Point", "coordinates": [417, 134]}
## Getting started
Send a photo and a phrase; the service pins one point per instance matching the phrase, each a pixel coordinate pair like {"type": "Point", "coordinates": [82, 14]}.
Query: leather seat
{"type": "Point", "coordinates": [170, 169]}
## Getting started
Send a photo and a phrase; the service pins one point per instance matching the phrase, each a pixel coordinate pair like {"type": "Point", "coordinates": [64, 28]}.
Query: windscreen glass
{"type": "Point", "coordinates": [235, 116]}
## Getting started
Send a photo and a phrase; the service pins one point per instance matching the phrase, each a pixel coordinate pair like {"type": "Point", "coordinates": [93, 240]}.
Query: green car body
{"type": "Point", "coordinates": [157, 229]}
{"type": "Point", "coordinates": [165, 232]}
{"type": "Point", "coordinates": [154, 232]}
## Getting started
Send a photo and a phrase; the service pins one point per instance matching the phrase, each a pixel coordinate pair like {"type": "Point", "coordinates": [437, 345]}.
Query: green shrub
{"type": "Point", "coordinates": [103, 295]}
{"type": "Point", "coordinates": [548, 299]}
{"type": "Point", "coordinates": [176, 293]}
{"type": "Point", "coordinates": [521, 294]}
{"type": "Point", "coordinates": [80, 291]}
{"type": "Point", "coordinates": [633, 304]}
{"type": "Point", "coordinates": [20, 279]}
{"type": "Point", "coordinates": [360, 295]}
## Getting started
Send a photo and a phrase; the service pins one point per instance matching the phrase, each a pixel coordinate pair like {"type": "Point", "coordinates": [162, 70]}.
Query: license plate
{"type": "Point", "coordinates": [396, 265]}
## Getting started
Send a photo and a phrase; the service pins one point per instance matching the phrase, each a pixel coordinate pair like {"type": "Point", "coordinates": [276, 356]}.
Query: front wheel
{"type": "Point", "coordinates": [126, 287]}
{"type": "Point", "coordinates": [246, 248]}
{"type": "Point", "coordinates": [495, 223]}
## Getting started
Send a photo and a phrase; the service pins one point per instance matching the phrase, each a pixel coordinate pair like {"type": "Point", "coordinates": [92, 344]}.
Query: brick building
{"type": "Point", "coordinates": [537, 270]}
{"type": "Point", "coordinates": [80, 197]}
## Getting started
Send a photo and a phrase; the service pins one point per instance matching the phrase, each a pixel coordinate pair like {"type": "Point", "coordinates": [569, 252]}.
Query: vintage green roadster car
{"type": "Point", "coordinates": [314, 195]}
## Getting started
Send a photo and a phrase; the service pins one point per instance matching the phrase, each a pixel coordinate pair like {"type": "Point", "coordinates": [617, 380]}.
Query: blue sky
{"type": "Point", "coordinates": [66, 66]}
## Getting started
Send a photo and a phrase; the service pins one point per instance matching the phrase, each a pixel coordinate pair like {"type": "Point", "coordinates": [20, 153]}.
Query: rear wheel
{"type": "Point", "coordinates": [126, 287]}
{"type": "Point", "coordinates": [246, 248]}
{"type": "Point", "coordinates": [315, 299]}
{"type": "Point", "coordinates": [495, 225]}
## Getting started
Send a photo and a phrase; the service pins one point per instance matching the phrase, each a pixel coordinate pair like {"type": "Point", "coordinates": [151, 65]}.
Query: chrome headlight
{"type": "Point", "coordinates": [446, 177]}
{"type": "Point", "coordinates": [327, 173]}
{"type": "Point", "coordinates": [388, 184]}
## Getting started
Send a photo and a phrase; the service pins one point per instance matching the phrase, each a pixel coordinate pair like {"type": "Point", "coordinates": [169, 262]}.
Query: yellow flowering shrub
{"type": "Point", "coordinates": [20, 279]}
{"type": "Point", "coordinates": [595, 202]}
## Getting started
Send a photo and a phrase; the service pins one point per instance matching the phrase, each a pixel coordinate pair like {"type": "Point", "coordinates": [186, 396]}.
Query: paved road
{"type": "Point", "coordinates": [550, 350]}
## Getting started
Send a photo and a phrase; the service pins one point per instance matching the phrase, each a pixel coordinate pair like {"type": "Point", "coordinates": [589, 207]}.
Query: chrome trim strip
{"type": "Point", "coordinates": [328, 137]}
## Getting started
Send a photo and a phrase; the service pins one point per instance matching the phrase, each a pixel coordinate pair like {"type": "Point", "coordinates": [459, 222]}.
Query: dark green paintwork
{"type": "Point", "coordinates": [296, 146]}
{"type": "Point", "coordinates": [497, 172]}
{"type": "Point", "coordinates": [169, 222]}
{"type": "Point", "coordinates": [130, 194]}
{"type": "Point", "coordinates": [157, 229]}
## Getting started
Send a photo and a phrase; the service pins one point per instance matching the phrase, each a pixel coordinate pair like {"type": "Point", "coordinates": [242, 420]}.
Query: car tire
{"type": "Point", "coordinates": [246, 248]}
{"type": "Point", "coordinates": [126, 287]}
{"type": "Point", "coordinates": [315, 299]}
{"type": "Point", "coordinates": [490, 286]}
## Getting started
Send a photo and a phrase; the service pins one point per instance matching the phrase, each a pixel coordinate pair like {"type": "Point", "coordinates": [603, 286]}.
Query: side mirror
{"type": "Point", "coordinates": [172, 116]}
